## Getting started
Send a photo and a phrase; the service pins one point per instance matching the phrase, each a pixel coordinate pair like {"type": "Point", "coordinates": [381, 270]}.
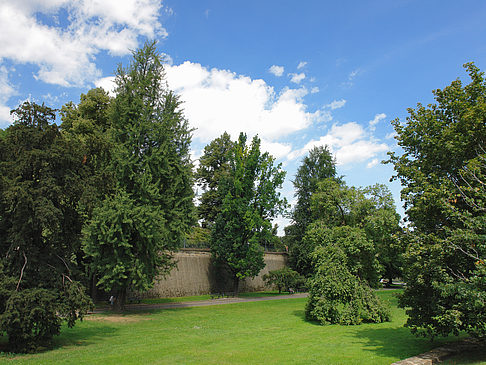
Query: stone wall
{"type": "Point", "coordinates": [196, 274]}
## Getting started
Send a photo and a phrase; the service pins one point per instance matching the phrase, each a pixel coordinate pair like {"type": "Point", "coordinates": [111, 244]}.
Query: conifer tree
{"type": "Point", "coordinates": [134, 230]}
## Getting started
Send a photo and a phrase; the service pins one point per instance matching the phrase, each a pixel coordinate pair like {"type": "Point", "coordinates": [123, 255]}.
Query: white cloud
{"type": "Point", "coordinates": [107, 83]}
{"type": "Point", "coordinates": [66, 56]}
{"type": "Point", "coordinates": [391, 135]}
{"type": "Point", "coordinates": [372, 163]}
{"type": "Point", "coordinates": [336, 104]}
{"type": "Point", "coordinates": [301, 65]}
{"type": "Point", "coordinates": [378, 118]}
{"type": "Point", "coordinates": [276, 149]}
{"type": "Point", "coordinates": [297, 78]}
{"type": "Point", "coordinates": [219, 100]}
{"type": "Point", "coordinates": [314, 90]}
{"type": "Point", "coordinates": [348, 142]}
{"type": "Point", "coordinates": [6, 92]}
{"type": "Point", "coordinates": [276, 70]}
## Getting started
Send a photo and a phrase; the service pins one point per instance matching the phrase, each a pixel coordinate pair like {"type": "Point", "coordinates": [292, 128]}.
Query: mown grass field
{"type": "Point", "coordinates": [271, 332]}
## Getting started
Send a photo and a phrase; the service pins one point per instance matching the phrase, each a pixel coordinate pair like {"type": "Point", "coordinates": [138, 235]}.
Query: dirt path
{"type": "Point", "coordinates": [201, 303]}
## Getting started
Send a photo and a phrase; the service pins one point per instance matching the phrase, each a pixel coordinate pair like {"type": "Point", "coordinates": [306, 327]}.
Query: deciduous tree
{"type": "Point", "coordinates": [318, 165]}
{"type": "Point", "coordinates": [442, 174]}
{"type": "Point", "coordinates": [214, 165]}
{"type": "Point", "coordinates": [249, 201]}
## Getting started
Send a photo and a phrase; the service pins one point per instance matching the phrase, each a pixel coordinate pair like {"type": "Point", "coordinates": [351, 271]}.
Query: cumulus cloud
{"type": "Point", "coordinates": [276, 149]}
{"type": "Point", "coordinates": [6, 92]}
{"type": "Point", "coordinates": [301, 65]}
{"type": "Point", "coordinates": [376, 120]}
{"type": "Point", "coordinates": [107, 83]}
{"type": "Point", "coordinates": [276, 70]}
{"type": "Point", "coordinates": [314, 90]}
{"type": "Point", "coordinates": [348, 142]}
{"type": "Point", "coordinates": [297, 78]}
{"type": "Point", "coordinates": [219, 100]}
{"type": "Point", "coordinates": [66, 55]}
{"type": "Point", "coordinates": [373, 163]}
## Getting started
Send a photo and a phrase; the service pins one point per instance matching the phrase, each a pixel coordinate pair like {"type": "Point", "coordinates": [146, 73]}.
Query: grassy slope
{"type": "Point", "coordinates": [272, 332]}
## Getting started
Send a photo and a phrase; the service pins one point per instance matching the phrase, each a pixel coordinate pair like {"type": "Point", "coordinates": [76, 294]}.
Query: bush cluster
{"type": "Point", "coordinates": [285, 279]}
{"type": "Point", "coordinates": [338, 297]}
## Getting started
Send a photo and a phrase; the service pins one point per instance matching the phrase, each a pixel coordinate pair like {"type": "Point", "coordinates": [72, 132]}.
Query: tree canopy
{"type": "Point", "coordinates": [250, 200]}
{"type": "Point", "coordinates": [133, 231]}
{"type": "Point", "coordinates": [318, 165]}
{"type": "Point", "coordinates": [41, 181]}
{"type": "Point", "coordinates": [214, 165]}
{"type": "Point", "coordinates": [442, 174]}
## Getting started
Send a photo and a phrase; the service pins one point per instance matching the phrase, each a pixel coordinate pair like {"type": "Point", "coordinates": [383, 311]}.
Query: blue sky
{"type": "Point", "coordinates": [299, 74]}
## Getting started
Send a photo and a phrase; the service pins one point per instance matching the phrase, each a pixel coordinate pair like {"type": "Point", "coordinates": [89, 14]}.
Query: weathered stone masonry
{"type": "Point", "coordinates": [195, 274]}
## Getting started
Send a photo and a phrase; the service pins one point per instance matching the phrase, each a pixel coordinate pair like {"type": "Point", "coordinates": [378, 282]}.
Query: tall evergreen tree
{"type": "Point", "coordinates": [133, 231]}
{"type": "Point", "coordinates": [41, 181]}
{"type": "Point", "coordinates": [318, 165]}
{"type": "Point", "coordinates": [89, 125]}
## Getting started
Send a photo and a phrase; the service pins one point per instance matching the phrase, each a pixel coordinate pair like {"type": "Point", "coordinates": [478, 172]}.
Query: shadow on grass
{"type": "Point", "coordinates": [79, 336]}
{"type": "Point", "coordinates": [301, 315]}
{"type": "Point", "coordinates": [69, 337]}
{"type": "Point", "coordinates": [397, 342]}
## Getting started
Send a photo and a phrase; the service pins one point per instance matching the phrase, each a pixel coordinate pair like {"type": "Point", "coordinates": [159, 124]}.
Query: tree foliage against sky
{"type": "Point", "coordinates": [442, 174]}
{"type": "Point", "coordinates": [42, 178]}
{"type": "Point", "coordinates": [214, 165]}
{"type": "Point", "coordinates": [318, 165]}
{"type": "Point", "coordinates": [133, 230]}
{"type": "Point", "coordinates": [249, 201]}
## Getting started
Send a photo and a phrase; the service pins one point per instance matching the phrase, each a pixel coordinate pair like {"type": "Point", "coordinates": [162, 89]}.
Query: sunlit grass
{"type": "Point", "coordinates": [270, 332]}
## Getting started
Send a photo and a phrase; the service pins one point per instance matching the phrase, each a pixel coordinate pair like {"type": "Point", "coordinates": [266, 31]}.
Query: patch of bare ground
{"type": "Point", "coordinates": [118, 318]}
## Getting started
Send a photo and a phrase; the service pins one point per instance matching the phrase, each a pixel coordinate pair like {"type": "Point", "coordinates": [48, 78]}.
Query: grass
{"type": "Point", "coordinates": [196, 298]}
{"type": "Point", "coordinates": [271, 332]}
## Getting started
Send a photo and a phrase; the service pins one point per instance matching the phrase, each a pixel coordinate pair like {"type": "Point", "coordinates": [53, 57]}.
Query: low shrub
{"type": "Point", "coordinates": [285, 279]}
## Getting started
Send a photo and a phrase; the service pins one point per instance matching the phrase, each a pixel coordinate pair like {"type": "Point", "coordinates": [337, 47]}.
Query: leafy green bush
{"type": "Point", "coordinates": [338, 297]}
{"type": "Point", "coordinates": [285, 279]}
{"type": "Point", "coordinates": [31, 317]}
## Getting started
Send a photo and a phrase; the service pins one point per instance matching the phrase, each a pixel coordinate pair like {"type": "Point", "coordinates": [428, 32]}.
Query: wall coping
{"type": "Point", "coordinates": [195, 249]}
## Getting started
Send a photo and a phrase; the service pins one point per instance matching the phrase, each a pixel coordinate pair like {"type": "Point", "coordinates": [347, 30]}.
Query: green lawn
{"type": "Point", "coordinates": [271, 332]}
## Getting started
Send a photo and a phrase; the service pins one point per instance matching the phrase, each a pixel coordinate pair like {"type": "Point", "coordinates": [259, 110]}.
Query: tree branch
{"type": "Point", "coordinates": [22, 271]}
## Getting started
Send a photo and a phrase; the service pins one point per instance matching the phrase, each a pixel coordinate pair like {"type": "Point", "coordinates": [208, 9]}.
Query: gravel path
{"type": "Point", "coordinates": [201, 303]}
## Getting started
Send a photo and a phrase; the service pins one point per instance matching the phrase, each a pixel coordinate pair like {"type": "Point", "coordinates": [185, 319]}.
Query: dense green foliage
{"type": "Point", "coordinates": [363, 222]}
{"type": "Point", "coordinates": [318, 165]}
{"type": "Point", "coordinates": [42, 178]}
{"type": "Point", "coordinates": [214, 165]}
{"type": "Point", "coordinates": [360, 252]}
{"type": "Point", "coordinates": [133, 230]}
{"type": "Point", "coordinates": [198, 237]}
{"type": "Point", "coordinates": [285, 279]}
{"type": "Point", "coordinates": [442, 170]}
{"type": "Point", "coordinates": [337, 295]}
{"type": "Point", "coordinates": [250, 200]}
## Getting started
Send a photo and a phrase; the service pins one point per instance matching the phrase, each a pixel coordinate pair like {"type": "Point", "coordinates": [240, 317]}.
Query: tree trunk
{"type": "Point", "coordinates": [120, 300]}
{"type": "Point", "coordinates": [94, 288]}
{"type": "Point", "coordinates": [236, 285]}
{"type": "Point", "coordinates": [390, 281]}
